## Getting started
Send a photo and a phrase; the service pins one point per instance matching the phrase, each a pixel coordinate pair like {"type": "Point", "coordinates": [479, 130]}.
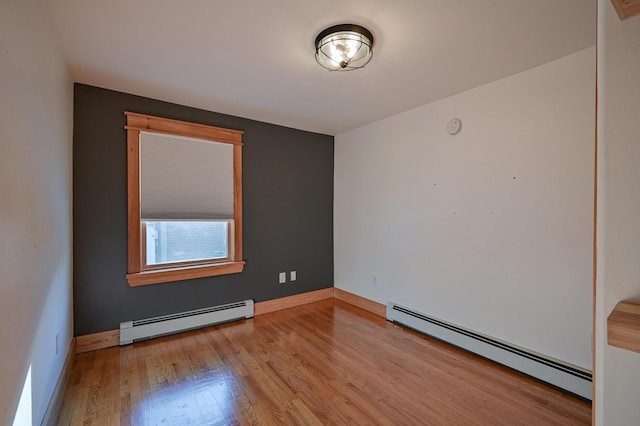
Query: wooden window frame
{"type": "Point", "coordinates": [137, 275]}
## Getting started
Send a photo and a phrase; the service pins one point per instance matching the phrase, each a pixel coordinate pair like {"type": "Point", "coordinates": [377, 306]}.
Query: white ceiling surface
{"type": "Point", "coordinates": [255, 58]}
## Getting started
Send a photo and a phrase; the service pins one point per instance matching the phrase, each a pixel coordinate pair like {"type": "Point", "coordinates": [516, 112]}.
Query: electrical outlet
{"type": "Point", "coordinates": [283, 277]}
{"type": "Point", "coordinates": [294, 275]}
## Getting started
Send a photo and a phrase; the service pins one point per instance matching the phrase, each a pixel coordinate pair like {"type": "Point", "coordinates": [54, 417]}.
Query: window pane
{"type": "Point", "coordinates": [186, 241]}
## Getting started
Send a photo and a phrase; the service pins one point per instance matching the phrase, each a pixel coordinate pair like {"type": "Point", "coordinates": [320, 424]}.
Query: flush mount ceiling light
{"type": "Point", "coordinates": [344, 47]}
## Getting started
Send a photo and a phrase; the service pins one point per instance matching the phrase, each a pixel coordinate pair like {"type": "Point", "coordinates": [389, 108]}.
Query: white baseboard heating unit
{"type": "Point", "coordinates": [564, 376]}
{"type": "Point", "coordinates": [133, 331]}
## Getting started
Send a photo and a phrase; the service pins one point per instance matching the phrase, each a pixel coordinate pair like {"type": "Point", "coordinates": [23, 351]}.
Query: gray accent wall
{"type": "Point", "coordinates": [287, 214]}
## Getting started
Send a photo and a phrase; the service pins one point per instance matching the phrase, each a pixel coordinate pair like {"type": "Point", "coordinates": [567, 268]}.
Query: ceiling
{"type": "Point", "coordinates": [255, 58]}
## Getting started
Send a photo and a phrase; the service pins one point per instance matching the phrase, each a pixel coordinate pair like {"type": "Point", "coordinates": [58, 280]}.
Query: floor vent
{"type": "Point", "coordinates": [564, 376]}
{"type": "Point", "coordinates": [133, 331]}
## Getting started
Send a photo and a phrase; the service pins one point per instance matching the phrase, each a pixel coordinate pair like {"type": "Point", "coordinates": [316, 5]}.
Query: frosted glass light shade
{"type": "Point", "coordinates": [344, 47]}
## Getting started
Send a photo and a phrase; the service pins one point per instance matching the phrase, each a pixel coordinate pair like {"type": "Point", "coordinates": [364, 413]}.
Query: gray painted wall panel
{"type": "Point", "coordinates": [288, 214]}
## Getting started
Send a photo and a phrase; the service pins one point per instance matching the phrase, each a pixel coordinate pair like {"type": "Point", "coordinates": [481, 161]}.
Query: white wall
{"type": "Point", "coordinates": [618, 370]}
{"type": "Point", "coordinates": [35, 210]}
{"type": "Point", "coordinates": [491, 229]}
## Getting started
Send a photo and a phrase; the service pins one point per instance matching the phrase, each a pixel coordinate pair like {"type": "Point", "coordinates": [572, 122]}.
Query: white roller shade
{"type": "Point", "coordinates": [185, 178]}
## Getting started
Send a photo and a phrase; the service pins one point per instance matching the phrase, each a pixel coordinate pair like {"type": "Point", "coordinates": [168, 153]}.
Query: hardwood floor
{"type": "Point", "coordinates": [323, 363]}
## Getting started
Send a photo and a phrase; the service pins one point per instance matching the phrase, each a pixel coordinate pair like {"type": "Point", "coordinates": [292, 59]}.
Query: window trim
{"type": "Point", "coordinates": [136, 274]}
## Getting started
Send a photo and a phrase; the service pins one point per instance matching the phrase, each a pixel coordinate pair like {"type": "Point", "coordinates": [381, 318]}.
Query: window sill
{"type": "Point", "coordinates": [185, 273]}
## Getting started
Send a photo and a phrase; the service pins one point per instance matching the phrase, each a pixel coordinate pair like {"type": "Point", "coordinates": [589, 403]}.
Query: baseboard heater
{"type": "Point", "coordinates": [564, 376]}
{"type": "Point", "coordinates": [133, 331]}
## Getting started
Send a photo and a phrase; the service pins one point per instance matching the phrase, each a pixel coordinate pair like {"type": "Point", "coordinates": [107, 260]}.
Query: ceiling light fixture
{"type": "Point", "coordinates": [344, 47]}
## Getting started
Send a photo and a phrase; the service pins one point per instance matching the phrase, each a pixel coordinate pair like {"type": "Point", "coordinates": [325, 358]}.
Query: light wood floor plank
{"type": "Point", "coordinates": [326, 362]}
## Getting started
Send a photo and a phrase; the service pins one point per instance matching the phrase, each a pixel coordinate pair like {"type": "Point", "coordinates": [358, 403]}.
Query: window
{"type": "Point", "coordinates": [185, 200]}
{"type": "Point", "coordinates": [175, 241]}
